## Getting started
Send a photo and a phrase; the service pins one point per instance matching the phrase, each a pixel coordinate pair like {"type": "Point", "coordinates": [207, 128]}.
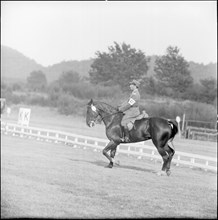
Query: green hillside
{"type": "Point", "coordinates": [82, 67]}
{"type": "Point", "coordinates": [16, 66]}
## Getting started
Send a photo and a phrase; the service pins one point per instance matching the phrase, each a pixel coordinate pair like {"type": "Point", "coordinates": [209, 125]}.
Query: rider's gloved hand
{"type": "Point", "coordinates": [119, 109]}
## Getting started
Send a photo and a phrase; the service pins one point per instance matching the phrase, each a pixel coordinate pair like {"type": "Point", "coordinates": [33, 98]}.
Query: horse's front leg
{"type": "Point", "coordinates": [113, 152]}
{"type": "Point", "coordinates": [111, 146]}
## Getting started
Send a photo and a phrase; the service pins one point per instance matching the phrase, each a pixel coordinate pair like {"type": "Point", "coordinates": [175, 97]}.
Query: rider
{"type": "Point", "coordinates": [130, 108]}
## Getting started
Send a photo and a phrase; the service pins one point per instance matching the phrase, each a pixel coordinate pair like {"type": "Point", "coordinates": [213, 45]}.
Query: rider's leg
{"type": "Point", "coordinates": [126, 133]}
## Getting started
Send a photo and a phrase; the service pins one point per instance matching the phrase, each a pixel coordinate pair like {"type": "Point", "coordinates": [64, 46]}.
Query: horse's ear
{"type": "Point", "coordinates": [90, 102]}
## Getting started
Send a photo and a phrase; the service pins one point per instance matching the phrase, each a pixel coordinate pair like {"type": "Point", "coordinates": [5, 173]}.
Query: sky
{"type": "Point", "coordinates": [54, 31]}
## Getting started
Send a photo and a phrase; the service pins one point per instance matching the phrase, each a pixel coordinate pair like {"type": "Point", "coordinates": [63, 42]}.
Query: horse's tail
{"type": "Point", "coordinates": [174, 128]}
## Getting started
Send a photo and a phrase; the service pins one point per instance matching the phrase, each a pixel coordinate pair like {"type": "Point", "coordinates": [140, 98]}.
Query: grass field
{"type": "Point", "coordinates": [48, 180]}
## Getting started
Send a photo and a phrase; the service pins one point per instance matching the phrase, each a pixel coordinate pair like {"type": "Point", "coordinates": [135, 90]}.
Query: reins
{"type": "Point", "coordinates": [109, 114]}
{"type": "Point", "coordinates": [117, 112]}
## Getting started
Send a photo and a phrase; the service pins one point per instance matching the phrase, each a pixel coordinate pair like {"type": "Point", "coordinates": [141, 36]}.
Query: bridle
{"type": "Point", "coordinates": [96, 110]}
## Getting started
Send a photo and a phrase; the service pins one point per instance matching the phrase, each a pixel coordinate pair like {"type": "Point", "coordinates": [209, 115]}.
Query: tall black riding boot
{"type": "Point", "coordinates": [126, 134]}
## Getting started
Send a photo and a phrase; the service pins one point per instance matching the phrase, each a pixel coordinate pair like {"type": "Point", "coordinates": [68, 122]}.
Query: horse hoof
{"type": "Point", "coordinates": [168, 172]}
{"type": "Point", "coordinates": [110, 165]}
{"type": "Point", "coordinates": [161, 173]}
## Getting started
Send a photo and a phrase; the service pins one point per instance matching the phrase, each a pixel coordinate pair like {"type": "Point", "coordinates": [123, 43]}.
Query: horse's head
{"type": "Point", "coordinates": [99, 111]}
{"type": "Point", "coordinates": [92, 114]}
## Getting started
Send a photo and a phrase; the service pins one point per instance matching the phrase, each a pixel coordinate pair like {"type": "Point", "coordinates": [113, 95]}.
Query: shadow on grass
{"type": "Point", "coordinates": [137, 168]}
{"type": "Point", "coordinates": [101, 163]}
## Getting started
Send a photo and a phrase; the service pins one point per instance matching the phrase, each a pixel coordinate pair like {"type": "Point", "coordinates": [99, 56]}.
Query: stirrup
{"type": "Point", "coordinates": [122, 139]}
{"type": "Point", "coordinates": [126, 139]}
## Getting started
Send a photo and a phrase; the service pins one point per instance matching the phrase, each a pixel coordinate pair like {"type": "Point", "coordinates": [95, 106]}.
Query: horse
{"type": "Point", "coordinates": [161, 131]}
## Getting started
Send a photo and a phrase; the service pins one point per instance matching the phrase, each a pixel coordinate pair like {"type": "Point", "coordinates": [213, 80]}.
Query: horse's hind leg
{"type": "Point", "coordinates": [171, 153]}
{"type": "Point", "coordinates": [160, 148]}
{"type": "Point", "coordinates": [165, 153]}
{"type": "Point", "coordinates": [165, 156]}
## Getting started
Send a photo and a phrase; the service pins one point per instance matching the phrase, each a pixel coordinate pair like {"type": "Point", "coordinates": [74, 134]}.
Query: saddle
{"type": "Point", "coordinates": [142, 115]}
{"type": "Point", "coordinates": [130, 125]}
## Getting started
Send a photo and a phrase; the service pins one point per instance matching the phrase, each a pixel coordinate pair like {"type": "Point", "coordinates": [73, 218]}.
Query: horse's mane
{"type": "Point", "coordinates": [105, 107]}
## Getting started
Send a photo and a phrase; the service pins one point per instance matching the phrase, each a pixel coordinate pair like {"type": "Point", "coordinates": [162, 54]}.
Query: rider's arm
{"type": "Point", "coordinates": [127, 105]}
{"type": "Point", "coordinates": [124, 107]}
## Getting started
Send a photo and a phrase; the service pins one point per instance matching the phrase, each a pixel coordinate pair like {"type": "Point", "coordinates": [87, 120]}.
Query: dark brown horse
{"type": "Point", "coordinates": [160, 130]}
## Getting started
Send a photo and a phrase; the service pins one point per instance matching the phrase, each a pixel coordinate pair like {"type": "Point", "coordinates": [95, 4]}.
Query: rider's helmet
{"type": "Point", "coordinates": [135, 82]}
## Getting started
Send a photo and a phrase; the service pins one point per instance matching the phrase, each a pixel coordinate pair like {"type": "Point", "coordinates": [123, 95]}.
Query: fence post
{"type": "Point", "coordinates": [178, 158]}
{"type": "Point", "coordinates": [14, 131]}
{"type": "Point", "coordinates": [183, 122]}
{"type": "Point", "coordinates": [189, 134]}
{"type": "Point", "coordinates": [118, 149]}
{"type": "Point", "coordinates": [47, 135]}
{"type": "Point", "coordinates": [66, 138]}
{"type": "Point", "coordinates": [128, 151]}
{"type": "Point", "coordinates": [207, 163]}
{"type": "Point", "coordinates": [85, 143]}
{"type": "Point", "coordinates": [178, 119]}
{"type": "Point", "coordinates": [96, 144]}
{"type": "Point", "coordinates": [141, 151]}
{"type": "Point", "coordinates": [30, 131]}
{"type": "Point", "coordinates": [38, 138]}
{"type": "Point", "coordinates": [56, 135]}
{"type": "Point", "coordinates": [192, 161]}
{"type": "Point", "coordinates": [22, 130]}
{"type": "Point", "coordinates": [76, 140]}
{"type": "Point", "coordinates": [152, 153]}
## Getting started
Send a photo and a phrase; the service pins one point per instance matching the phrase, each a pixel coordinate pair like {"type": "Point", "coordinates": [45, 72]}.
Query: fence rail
{"type": "Point", "coordinates": [138, 149]}
{"type": "Point", "coordinates": [201, 133]}
{"type": "Point", "coordinates": [205, 130]}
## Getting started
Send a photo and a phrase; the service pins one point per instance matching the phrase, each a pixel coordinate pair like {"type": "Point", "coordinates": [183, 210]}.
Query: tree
{"type": "Point", "coordinates": [172, 71]}
{"type": "Point", "coordinates": [67, 79]}
{"type": "Point", "coordinates": [37, 81]}
{"type": "Point", "coordinates": [54, 92]}
{"type": "Point", "coordinates": [209, 90]}
{"type": "Point", "coordinates": [119, 66]}
{"type": "Point", "coordinates": [148, 85]}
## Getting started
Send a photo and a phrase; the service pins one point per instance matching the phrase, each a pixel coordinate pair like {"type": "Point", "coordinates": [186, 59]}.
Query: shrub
{"type": "Point", "coordinates": [37, 100]}
{"type": "Point", "coordinates": [171, 109]}
{"type": "Point", "coordinates": [16, 99]}
{"type": "Point", "coordinates": [69, 105]}
{"type": "Point", "coordinates": [83, 91]}
{"type": "Point", "coordinates": [108, 92]}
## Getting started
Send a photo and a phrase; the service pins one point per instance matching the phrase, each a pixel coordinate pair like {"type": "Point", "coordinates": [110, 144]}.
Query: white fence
{"type": "Point", "coordinates": [138, 149]}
